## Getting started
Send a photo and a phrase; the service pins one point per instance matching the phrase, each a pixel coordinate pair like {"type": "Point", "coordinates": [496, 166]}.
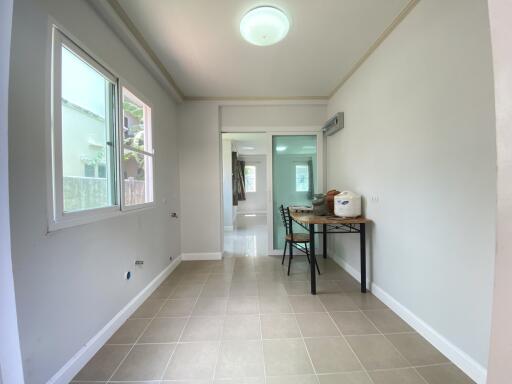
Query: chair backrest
{"type": "Point", "coordinates": [287, 220]}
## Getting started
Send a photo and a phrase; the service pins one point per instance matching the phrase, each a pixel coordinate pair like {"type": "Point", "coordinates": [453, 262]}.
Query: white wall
{"type": "Point", "coordinates": [500, 12]}
{"type": "Point", "coordinates": [11, 370]}
{"type": "Point", "coordinates": [419, 135]}
{"type": "Point", "coordinates": [200, 160]}
{"type": "Point", "coordinates": [70, 283]}
{"type": "Point", "coordinates": [255, 202]}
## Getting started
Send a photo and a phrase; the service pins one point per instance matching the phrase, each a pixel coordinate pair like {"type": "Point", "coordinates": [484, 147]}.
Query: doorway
{"type": "Point", "coordinates": [245, 206]}
{"type": "Point", "coordinates": [261, 172]}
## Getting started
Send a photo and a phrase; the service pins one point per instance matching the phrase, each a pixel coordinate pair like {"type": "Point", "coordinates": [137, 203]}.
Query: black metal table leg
{"type": "Point", "coordinates": [362, 239]}
{"type": "Point", "coordinates": [312, 256]}
{"type": "Point", "coordinates": [324, 229]}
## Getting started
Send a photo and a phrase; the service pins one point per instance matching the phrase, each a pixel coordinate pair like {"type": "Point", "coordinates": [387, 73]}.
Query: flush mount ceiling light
{"type": "Point", "coordinates": [264, 26]}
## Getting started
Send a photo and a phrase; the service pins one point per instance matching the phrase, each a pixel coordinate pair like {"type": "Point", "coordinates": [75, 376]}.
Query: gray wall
{"type": "Point", "coordinates": [70, 283]}
{"type": "Point", "coordinates": [200, 158]}
{"type": "Point", "coordinates": [500, 12]}
{"type": "Point", "coordinates": [419, 137]}
{"type": "Point", "coordinates": [11, 370]}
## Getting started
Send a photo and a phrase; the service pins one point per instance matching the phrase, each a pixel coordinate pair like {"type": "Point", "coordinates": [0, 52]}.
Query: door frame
{"type": "Point", "coordinates": [319, 185]}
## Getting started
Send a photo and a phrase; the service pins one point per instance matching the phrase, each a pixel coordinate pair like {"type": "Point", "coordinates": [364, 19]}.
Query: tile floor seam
{"type": "Point", "coordinates": [136, 340]}
{"type": "Point", "coordinates": [396, 349]}
{"type": "Point", "coordinates": [182, 331]}
{"type": "Point", "coordinates": [307, 350]}
{"type": "Point", "coordinates": [348, 344]}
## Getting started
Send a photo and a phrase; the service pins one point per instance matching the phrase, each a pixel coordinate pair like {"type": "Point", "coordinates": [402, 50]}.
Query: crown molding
{"type": "Point", "coordinates": [117, 17]}
{"type": "Point", "coordinates": [397, 20]}
{"type": "Point", "coordinates": [256, 98]}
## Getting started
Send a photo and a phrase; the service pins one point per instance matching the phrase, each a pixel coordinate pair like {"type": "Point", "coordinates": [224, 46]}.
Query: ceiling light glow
{"type": "Point", "coordinates": [281, 148]}
{"type": "Point", "coordinates": [264, 26]}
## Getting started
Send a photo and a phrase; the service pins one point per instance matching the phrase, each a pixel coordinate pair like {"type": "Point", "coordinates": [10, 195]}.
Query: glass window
{"type": "Point", "coordinates": [250, 178]}
{"type": "Point", "coordinates": [137, 161]}
{"type": "Point", "coordinates": [301, 178]}
{"type": "Point", "coordinates": [85, 133]}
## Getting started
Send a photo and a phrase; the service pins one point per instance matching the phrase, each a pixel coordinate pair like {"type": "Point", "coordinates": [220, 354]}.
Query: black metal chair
{"type": "Point", "coordinates": [298, 241]}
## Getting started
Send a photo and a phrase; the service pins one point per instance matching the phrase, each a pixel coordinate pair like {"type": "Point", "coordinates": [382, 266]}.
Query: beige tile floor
{"type": "Point", "coordinates": [243, 320]}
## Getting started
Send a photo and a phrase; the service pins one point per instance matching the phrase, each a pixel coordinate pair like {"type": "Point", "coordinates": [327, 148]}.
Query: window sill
{"type": "Point", "coordinates": [96, 216]}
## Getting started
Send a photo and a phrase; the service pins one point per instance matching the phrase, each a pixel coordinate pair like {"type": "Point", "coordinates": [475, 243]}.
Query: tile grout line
{"type": "Point", "coordinates": [306, 348]}
{"type": "Point", "coordinates": [348, 344]}
{"type": "Point", "coordinates": [389, 341]}
{"type": "Point", "coordinates": [183, 330]}
{"type": "Point", "coordinates": [109, 380]}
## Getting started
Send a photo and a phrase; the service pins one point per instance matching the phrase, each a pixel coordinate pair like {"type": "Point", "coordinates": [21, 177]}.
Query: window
{"type": "Point", "coordinates": [101, 144]}
{"type": "Point", "coordinates": [137, 159]}
{"type": "Point", "coordinates": [250, 178]}
{"type": "Point", "coordinates": [83, 132]}
{"type": "Point", "coordinates": [301, 178]}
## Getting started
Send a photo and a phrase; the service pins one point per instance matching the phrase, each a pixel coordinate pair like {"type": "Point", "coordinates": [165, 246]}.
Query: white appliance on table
{"type": "Point", "coordinates": [347, 204]}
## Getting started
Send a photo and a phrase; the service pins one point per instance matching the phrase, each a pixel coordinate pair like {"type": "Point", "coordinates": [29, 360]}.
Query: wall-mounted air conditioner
{"type": "Point", "coordinates": [334, 124]}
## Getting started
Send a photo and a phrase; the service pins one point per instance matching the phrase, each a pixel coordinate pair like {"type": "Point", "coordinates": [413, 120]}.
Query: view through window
{"type": "Point", "coordinates": [138, 153]}
{"type": "Point", "coordinates": [250, 178]}
{"type": "Point", "coordinates": [87, 135]}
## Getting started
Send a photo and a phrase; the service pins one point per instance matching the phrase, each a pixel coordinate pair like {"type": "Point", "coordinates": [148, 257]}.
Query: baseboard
{"type": "Point", "coordinates": [78, 361]}
{"type": "Point", "coordinates": [461, 359]}
{"type": "Point", "coordinates": [355, 273]}
{"type": "Point", "coordinates": [201, 256]}
{"type": "Point", "coordinates": [241, 213]}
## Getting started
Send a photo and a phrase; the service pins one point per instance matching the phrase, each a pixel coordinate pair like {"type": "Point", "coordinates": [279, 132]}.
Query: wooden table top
{"type": "Point", "coordinates": [309, 218]}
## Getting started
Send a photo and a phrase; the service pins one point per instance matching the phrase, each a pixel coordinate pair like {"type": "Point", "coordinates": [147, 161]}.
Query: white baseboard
{"type": "Point", "coordinates": [355, 273]}
{"type": "Point", "coordinates": [461, 359]}
{"type": "Point", "coordinates": [241, 213]}
{"type": "Point", "coordinates": [78, 361]}
{"type": "Point", "coordinates": [201, 256]}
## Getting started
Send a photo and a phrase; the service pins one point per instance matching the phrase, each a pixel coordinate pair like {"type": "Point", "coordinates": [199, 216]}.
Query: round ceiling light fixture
{"type": "Point", "coordinates": [264, 26]}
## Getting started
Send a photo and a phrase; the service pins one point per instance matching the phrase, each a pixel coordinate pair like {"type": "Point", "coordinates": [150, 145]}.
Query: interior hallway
{"type": "Point", "coordinates": [243, 320]}
{"type": "Point", "coordinates": [248, 237]}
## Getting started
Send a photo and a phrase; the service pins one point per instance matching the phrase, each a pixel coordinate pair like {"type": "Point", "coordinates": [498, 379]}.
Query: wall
{"type": "Point", "coordinates": [500, 12]}
{"type": "Point", "coordinates": [200, 124]}
{"type": "Point", "coordinates": [11, 370]}
{"type": "Point", "coordinates": [419, 137]}
{"type": "Point", "coordinates": [70, 283]}
{"type": "Point", "coordinates": [255, 202]}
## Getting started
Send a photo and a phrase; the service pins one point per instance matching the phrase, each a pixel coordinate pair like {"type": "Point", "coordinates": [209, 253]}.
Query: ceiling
{"type": "Point", "coordinates": [199, 44]}
{"type": "Point", "coordinates": [258, 143]}
{"type": "Point", "coordinates": [248, 143]}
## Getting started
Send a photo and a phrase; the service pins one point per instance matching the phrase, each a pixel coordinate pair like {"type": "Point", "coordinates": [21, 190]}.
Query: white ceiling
{"type": "Point", "coordinates": [199, 43]}
{"type": "Point", "coordinates": [242, 142]}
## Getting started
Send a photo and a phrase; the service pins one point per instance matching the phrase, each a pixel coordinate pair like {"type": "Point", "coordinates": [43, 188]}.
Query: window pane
{"type": "Point", "coordinates": [301, 178]}
{"type": "Point", "coordinates": [138, 175]}
{"type": "Point", "coordinates": [136, 123]}
{"type": "Point", "coordinates": [250, 178]}
{"type": "Point", "coordinates": [87, 135]}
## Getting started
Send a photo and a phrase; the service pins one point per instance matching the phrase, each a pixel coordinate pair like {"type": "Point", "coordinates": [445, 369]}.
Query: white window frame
{"type": "Point", "coordinates": [59, 219]}
{"type": "Point", "coordinates": [255, 176]}
{"type": "Point", "coordinates": [307, 168]}
{"type": "Point", "coordinates": [150, 182]}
